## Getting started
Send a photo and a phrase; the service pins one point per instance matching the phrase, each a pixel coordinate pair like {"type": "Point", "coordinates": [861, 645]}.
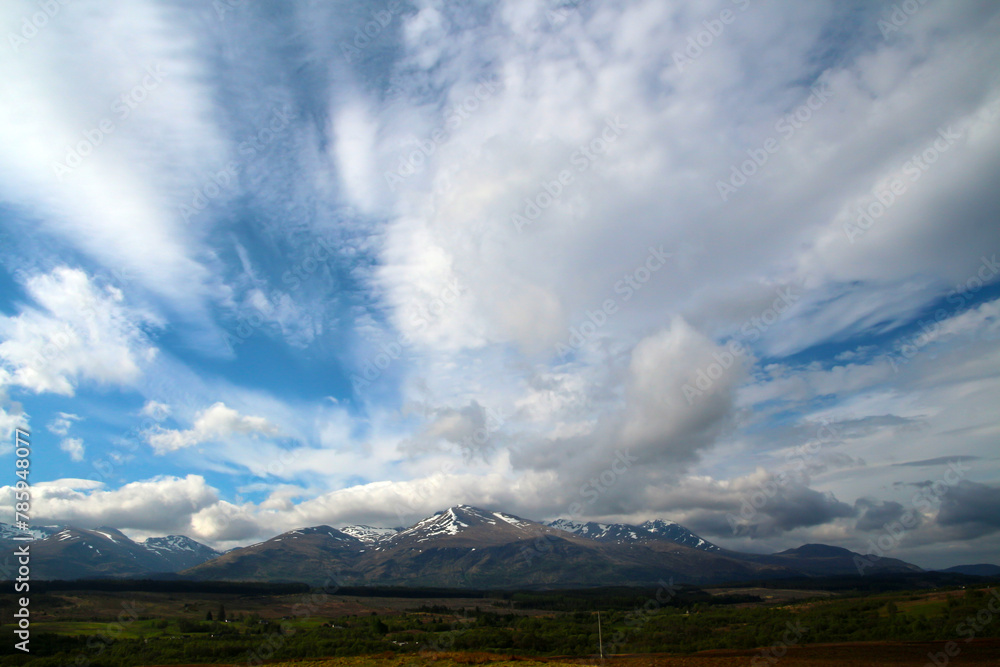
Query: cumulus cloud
{"type": "Point", "coordinates": [471, 430]}
{"type": "Point", "coordinates": [680, 392]}
{"type": "Point", "coordinates": [80, 332]}
{"type": "Point", "coordinates": [163, 504]}
{"type": "Point", "coordinates": [215, 423]}
{"type": "Point", "coordinates": [224, 522]}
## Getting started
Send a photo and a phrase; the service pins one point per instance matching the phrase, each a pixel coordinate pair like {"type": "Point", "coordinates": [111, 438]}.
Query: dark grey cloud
{"type": "Point", "coordinates": [757, 507]}
{"type": "Point", "coordinates": [800, 507]}
{"type": "Point", "coordinates": [972, 507]}
{"type": "Point", "coordinates": [875, 514]}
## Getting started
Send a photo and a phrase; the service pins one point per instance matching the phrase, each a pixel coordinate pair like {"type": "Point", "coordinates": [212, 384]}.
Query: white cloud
{"type": "Point", "coordinates": [161, 504]}
{"type": "Point", "coordinates": [136, 125]}
{"type": "Point", "coordinates": [74, 447]}
{"type": "Point", "coordinates": [680, 391]}
{"type": "Point", "coordinates": [12, 415]}
{"type": "Point", "coordinates": [476, 306]}
{"type": "Point", "coordinates": [62, 423]}
{"type": "Point", "coordinates": [156, 410]}
{"type": "Point", "coordinates": [216, 423]}
{"type": "Point", "coordinates": [355, 132]}
{"type": "Point", "coordinates": [786, 226]}
{"type": "Point", "coordinates": [80, 333]}
{"type": "Point", "coordinates": [224, 521]}
{"type": "Point", "coordinates": [298, 326]}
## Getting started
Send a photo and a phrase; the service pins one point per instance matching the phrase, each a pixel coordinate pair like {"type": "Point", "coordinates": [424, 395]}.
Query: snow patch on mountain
{"type": "Point", "coordinates": [369, 534]}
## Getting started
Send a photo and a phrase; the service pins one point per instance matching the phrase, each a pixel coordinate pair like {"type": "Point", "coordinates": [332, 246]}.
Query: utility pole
{"type": "Point", "coordinates": [600, 639]}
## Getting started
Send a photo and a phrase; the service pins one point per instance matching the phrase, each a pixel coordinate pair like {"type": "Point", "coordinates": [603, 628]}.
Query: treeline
{"type": "Point", "coordinates": [164, 586]}
{"type": "Point", "coordinates": [622, 599]}
{"type": "Point", "coordinates": [871, 583]}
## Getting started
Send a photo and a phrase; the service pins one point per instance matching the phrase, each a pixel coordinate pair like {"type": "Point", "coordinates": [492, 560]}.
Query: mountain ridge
{"type": "Point", "coordinates": [466, 546]}
{"type": "Point", "coordinates": [656, 529]}
{"type": "Point", "coordinates": [461, 546]}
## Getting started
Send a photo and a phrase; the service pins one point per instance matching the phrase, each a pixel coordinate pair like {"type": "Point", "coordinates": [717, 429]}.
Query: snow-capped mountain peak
{"type": "Point", "coordinates": [447, 522]}
{"type": "Point", "coordinates": [569, 525]}
{"type": "Point", "coordinates": [464, 520]}
{"type": "Point", "coordinates": [657, 529]}
{"type": "Point", "coordinates": [675, 532]}
{"type": "Point", "coordinates": [369, 534]}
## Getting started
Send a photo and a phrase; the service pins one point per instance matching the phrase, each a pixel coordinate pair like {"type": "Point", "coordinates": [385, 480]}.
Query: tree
{"type": "Point", "coordinates": [222, 612]}
{"type": "Point", "coordinates": [208, 616]}
{"type": "Point", "coordinates": [379, 627]}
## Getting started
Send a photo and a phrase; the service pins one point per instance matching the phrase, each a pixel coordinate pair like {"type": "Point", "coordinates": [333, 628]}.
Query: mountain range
{"type": "Point", "coordinates": [75, 553]}
{"type": "Point", "coordinates": [462, 546]}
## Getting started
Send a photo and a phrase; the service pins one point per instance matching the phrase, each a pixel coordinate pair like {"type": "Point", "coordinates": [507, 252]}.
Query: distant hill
{"type": "Point", "coordinates": [311, 555]}
{"type": "Point", "coordinates": [980, 570]}
{"type": "Point", "coordinates": [825, 560]}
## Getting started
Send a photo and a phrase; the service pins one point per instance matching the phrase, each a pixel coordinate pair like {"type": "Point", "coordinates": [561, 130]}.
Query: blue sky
{"type": "Point", "coordinates": [275, 264]}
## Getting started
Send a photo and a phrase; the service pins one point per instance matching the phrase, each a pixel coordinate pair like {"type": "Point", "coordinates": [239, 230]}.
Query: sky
{"type": "Point", "coordinates": [266, 265]}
